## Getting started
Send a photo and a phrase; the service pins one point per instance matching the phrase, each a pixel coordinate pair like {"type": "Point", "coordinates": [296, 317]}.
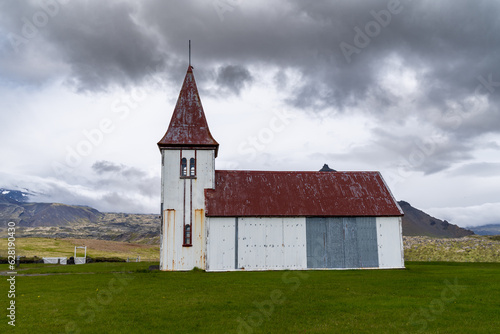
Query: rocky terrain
{"type": "Point", "coordinates": [137, 228]}
{"type": "Point", "coordinates": [466, 249]}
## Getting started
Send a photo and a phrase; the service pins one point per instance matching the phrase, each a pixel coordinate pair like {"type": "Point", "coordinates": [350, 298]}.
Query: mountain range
{"type": "Point", "coordinates": [15, 206]}
{"type": "Point", "coordinates": [419, 223]}
{"type": "Point", "coordinates": [55, 220]}
{"type": "Point", "coordinates": [490, 229]}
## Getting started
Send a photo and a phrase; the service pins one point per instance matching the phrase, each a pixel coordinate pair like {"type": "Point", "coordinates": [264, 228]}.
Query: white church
{"type": "Point", "coordinates": [227, 220]}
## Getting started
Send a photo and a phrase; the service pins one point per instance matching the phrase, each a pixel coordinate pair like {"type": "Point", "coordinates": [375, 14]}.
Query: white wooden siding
{"type": "Point", "coordinates": [184, 202]}
{"type": "Point", "coordinates": [390, 242]}
{"type": "Point", "coordinates": [262, 244]}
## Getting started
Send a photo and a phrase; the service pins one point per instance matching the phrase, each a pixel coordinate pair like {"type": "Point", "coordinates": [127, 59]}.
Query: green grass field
{"type": "Point", "coordinates": [127, 298]}
{"type": "Point", "coordinates": [45, 247]}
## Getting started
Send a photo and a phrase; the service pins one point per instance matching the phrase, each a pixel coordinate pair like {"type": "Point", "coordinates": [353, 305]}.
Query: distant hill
{"type": "Point", "coordinates": [14, 207]}
{"type": "Point", "coordinates": [55, 214]}
{"type": "Point", "coordinates": [491, 229]}
{"type": "Point", "coordinates": [55, 220]}
{"type": "Point", "coordinates": [419, 223]}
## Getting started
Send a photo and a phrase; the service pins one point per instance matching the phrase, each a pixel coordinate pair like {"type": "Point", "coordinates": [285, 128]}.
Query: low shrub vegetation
{"type": "Point", "coordinates": [466, 249]}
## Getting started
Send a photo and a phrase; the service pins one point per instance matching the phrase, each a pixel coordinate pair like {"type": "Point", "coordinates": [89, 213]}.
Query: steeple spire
{"type": "Point", "coordinates": [188, 127]}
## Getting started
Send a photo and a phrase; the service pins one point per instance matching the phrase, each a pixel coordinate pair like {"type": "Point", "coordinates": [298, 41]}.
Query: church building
{"type": "Point", "coordinates": [226, 220]}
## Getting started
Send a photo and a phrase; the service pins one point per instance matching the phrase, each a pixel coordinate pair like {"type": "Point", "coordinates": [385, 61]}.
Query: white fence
{"type": "Point", "coordinates": [54, 260]}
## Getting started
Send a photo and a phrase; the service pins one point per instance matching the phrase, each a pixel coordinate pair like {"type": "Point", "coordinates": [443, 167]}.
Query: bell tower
{"type": "Point", "coordinates": [188, 153]}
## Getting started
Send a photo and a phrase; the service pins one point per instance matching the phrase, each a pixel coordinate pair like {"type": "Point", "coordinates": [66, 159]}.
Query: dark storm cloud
{"type": "Point", "coordinates": [451, 46]}
{"type": "Point", "coordinates": [233, 78]}
{"type": "Point", "coordinates": [104, 44]}
{"type": "Point", "coordinates": [99, 44]}
{"type": "Point", "coordinates": [448, 43]}
{"type": "Point", "coordinates": [101, 167]}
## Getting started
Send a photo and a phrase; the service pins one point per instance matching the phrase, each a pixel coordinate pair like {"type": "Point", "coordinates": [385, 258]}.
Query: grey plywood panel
{"type": "Point", "coordinates": [351, 243]}
{"type": "Point", "coordinates": [335, 251]}
{"type": "Point", "coordinates": [316, 242]}
{"type": "Point", "coordinates": [367, 242]}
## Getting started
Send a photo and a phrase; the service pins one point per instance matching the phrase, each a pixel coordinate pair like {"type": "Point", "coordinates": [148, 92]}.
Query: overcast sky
{"type": "Point", "coordinates": [408, 88]}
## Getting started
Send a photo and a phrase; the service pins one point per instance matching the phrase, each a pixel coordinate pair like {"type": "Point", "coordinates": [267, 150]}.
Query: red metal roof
{"type": "Point", "coordinates": [188, 126]}
{"type": "Point", "coordinates": [259, 193]}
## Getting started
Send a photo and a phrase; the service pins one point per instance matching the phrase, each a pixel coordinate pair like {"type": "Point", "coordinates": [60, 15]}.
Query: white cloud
{"type": "Point", "coordinates": [470, 216]}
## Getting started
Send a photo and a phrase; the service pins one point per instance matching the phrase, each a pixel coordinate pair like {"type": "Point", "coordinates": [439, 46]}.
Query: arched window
{"type": "Point", "coordinates": [192, 167]}
{"type": "Point", "coordinates": [183, 167]}
{"type": "Point", "coordinates": [187, 235]}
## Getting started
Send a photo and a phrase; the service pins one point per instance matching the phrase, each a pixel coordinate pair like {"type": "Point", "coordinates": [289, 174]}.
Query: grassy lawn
{"type": "Point", "coordinates": [96, 268]}
{"type": "Point", "coordinates": [45, 247]}
{"type": "Point", "coordinates": [426, 297]}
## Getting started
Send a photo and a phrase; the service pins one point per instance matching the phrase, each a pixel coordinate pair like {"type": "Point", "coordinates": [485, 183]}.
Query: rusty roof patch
{"type": "Point", "coordinates": [188, 126]}
{"type": "Point", "coordinates": [263, 193]}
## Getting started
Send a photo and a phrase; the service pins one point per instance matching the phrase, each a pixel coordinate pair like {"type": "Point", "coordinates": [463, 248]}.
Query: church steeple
{"type": "Point", "coordinates": [188, 127]}
{"type": "Point", "coordinates": [188, 153]}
